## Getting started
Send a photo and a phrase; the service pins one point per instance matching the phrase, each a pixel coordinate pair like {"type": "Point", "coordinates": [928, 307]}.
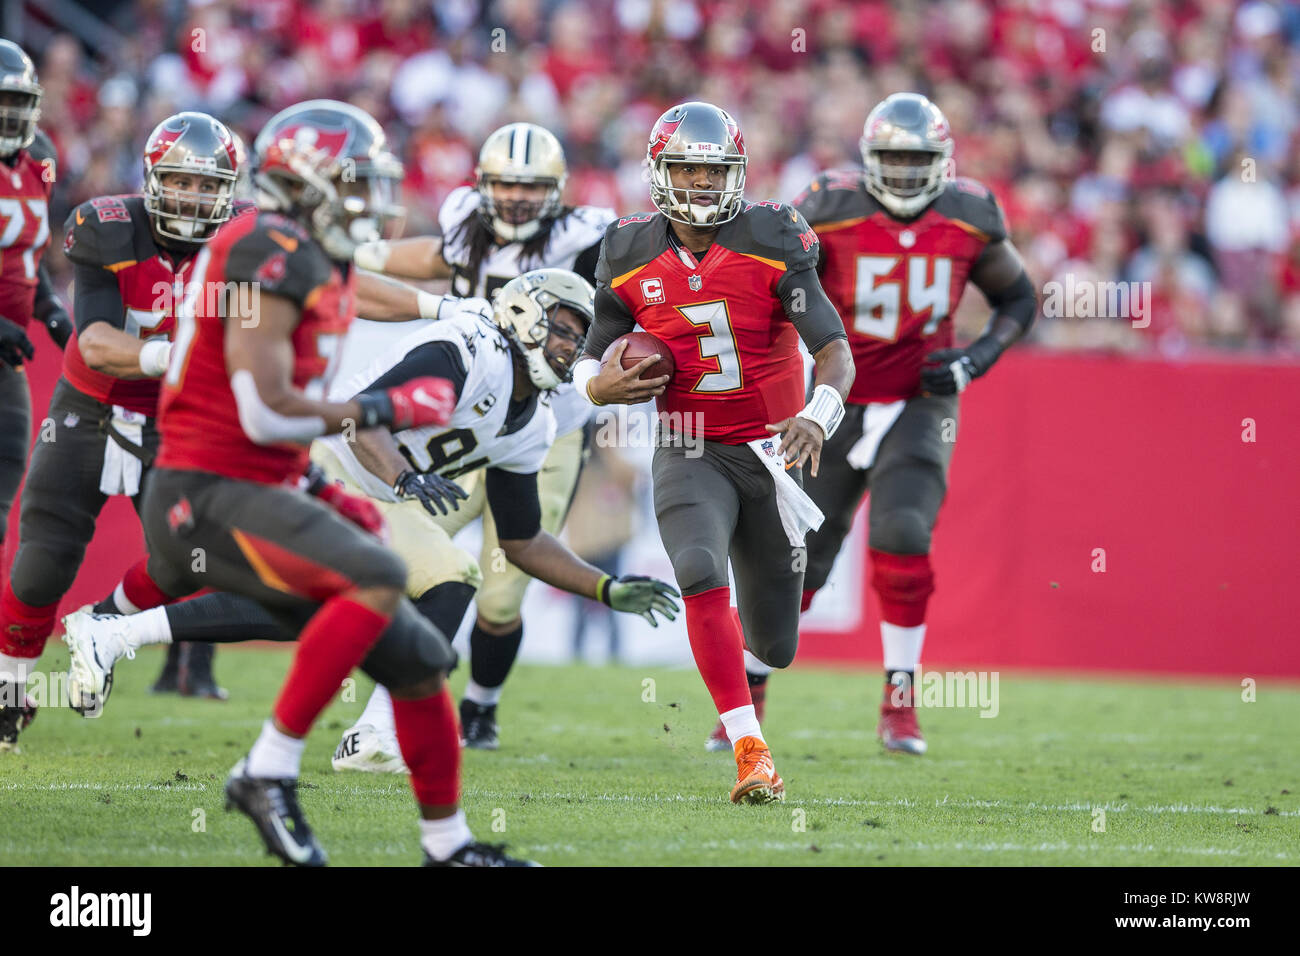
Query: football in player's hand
{"type": "Point", "coordinates": [641, 346]}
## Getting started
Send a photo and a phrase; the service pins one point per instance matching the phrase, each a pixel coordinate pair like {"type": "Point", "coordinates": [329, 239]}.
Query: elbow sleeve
{"type": "Point", "coordinates": [265, 426]}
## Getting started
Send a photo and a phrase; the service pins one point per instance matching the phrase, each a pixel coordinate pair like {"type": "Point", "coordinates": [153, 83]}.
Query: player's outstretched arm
{"type": "Point", "coordinates": [260, 358]}
{"type": "Point", "coordinates": [419, 257]}
{"type": "Point", "coordinates": [381, 299]}
{"type": "Point", "coordinates": [539, 554]}
{"type": "Point", "coordinates": [1000, 274]}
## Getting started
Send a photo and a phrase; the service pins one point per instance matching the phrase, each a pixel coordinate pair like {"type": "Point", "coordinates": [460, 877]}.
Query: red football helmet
{"type": "Point", "coordinates": [326, 164]}
{"type": "Point", "coordinates": [194, 144]}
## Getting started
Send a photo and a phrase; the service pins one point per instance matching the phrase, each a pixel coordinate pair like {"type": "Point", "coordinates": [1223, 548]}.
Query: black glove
{"type": "Point", "coordinates": [949, 371]}
{"type": "Point", "coordinates": [432, 490]}
{"type": "Point", "coordinates": [14, 343]}
{"type": "Point", "coordinates": [59, 326]}
{"type": "Point", "coordinates": [638, 594]}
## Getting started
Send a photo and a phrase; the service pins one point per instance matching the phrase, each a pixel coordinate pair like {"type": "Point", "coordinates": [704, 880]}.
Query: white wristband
{"type": "Point", "coordinates": [154, 357]}
{"type": "Point", "coordinates": [583, 373]}
{"type": "Point", "coordinates": [372, 256]}
{"type": "Point", "coordinates": [826, 409]}
{"type": "Point", "coordinates": [429, 304]}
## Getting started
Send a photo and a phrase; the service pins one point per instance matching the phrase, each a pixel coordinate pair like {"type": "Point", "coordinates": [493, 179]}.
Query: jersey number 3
{"type": "Point", "coordinates": [878, 305]}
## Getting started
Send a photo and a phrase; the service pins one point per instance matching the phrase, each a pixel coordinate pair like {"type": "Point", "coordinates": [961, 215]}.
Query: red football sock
{"type": "Point", "coordinates": [429, 735]}
{"type": "Point", "coordinates": [806, 603]}
{"type": "Point", "coordinates": [335, 640]}
{"type": "Point", "coordinates": [904, 583]}
{"type": "Point", "coordinates": [141, 590]}
{"type": "Point", "coordinates": [717, 645]}
{"type": "Point", "coordinates": [24, 628]}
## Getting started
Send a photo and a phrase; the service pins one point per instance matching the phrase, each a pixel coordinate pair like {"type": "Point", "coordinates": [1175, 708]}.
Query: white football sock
{"type": "Point", "coordinates": [483, 696]}
{"type": "Point", "coordinates": [754, 666]}
{"type": "Point", "coordinates": [275, 756]}
{"type": "Point", "coordinates": [379, 711]}
{"type": "Point", "coordinates": [148, 627]}
{"type": "Point", "coordinates": [14, 670]}
{"type": "Point", "coordinates": [902, 646]}
{"type": "Point", "coordinates": [442, 838]}
{"type": "Point", "coordinates": [741, 722]}
{"type": "Point", "coordinates": [122, 602]}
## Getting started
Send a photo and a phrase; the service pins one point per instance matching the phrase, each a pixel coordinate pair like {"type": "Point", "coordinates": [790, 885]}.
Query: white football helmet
{"type": "Point", "coordinates": [523, 309]}
{"type": "Point", "coordinates": [519, 153]}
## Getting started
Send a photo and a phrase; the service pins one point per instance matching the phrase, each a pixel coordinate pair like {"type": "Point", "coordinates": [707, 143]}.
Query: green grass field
{"type": "Point", "coordinates": [590, 773]}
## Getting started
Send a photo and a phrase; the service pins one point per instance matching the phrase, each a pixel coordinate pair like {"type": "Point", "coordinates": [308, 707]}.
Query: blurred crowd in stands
{"type": "Point", "coordinates": [1151, 142]}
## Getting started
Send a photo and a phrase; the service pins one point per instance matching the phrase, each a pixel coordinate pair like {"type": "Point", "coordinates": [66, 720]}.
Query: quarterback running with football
{"type": "Point", "coordinates": [729, 287]}
{"type": "Point", "coordinates": [511, 220]}
{"type": "Point", "coordinates": [900, 240]}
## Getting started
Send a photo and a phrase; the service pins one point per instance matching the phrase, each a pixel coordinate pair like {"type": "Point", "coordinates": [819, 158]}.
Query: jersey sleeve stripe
{"type": "Point", "coordinates": [967, 227]}
{"type": "Point", "coordinates": [838, 224]}
{"type": "Point", "coordinates": [774, 263]}
{"type": "Point", "coordinates": [619, 280]}
{"type": "Point", "coordinates": [117, 267]}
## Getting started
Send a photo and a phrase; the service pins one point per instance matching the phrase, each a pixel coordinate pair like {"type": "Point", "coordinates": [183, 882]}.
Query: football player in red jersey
{"type": "Point", "coordinates": [26, 181]}
{"type": "Point", "coordinates": [243, 399]}
{"type": "Point", "coordinates": [900, 241]}
{"type": "Point", "coordinates": [730, 287]}
{"type": "Point", "coordinates": [132, 257]}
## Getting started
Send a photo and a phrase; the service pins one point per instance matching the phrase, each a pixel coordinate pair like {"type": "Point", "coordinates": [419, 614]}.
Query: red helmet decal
{"type": "Point", "coordinates": [329, 140]}
{"type": "Point", "coordinates": [160, 145]}
{"type": "Point", "coordinates": [739, 140]}
{"type": "Point", "coordinates": [661, 134]}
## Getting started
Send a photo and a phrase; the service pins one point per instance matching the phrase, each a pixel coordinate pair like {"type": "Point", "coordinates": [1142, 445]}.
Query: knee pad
{"type": "Point", "coordinates": [699, 569]}
{"type": "Point", "coordinates": [904, 583]}
{"type": "Point", "coordinates": [409, 651]}
{"type": "Point", "coordinates": [502, 594]}
{"type": "Point", "coordinates": [900, 531]}
{"type": "Point", "coordinates": [41, 575]}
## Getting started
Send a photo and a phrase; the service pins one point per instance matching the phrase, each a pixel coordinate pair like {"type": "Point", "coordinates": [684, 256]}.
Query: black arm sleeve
{"type": "Point", "coordinates": [97, 299]}
{"type": "Point", "coordinates": [513, 500]}
{"type": "Point", "coordinates": [809, 310]}
{"type": "Point", "coordinates": [613, 319]}
{"type": "Point", "coordinates": [1017, 302]}
{"type": "Point", "coordinates": [439, 359]}
{"type": "Point", "coordinates": [49, 311]}
{"type": "Point", "coordinates": [585, 264]}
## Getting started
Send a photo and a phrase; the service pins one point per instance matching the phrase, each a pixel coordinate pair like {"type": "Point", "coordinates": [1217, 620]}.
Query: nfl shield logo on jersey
{"type": "Point", "coordinates": [696, 283]}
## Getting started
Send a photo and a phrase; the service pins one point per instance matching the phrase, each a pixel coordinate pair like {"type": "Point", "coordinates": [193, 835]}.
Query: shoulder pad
{"type": "Point", "coordinates": [42, 148]}
{"type": "Point", "coordinates": [775, 231]}
{"type": "Point", "coordinates": [972, 203]}
{"type": "Point", "coordinates": [833, 196]}
{"type": "Point", "coordinates": [108, 230]}
{"type": "Point", "coordinates": [631, 242]}
{"type": "Point", "coordinates": [279, 255]}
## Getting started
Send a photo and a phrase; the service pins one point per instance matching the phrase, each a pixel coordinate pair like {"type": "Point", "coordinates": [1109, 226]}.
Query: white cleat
{"type": "Point", "coordinates": [366, 749]}
{"type": "Point", "coordinates": [96, 642]}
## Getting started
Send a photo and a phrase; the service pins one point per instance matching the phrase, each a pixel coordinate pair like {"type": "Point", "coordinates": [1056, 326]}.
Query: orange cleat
{"type": "Point", "coordinates": [756, 778]}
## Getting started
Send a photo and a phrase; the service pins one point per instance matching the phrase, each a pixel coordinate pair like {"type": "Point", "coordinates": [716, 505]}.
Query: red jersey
{"type": "Point", "coordinates": [111, 242]}
{"type": "Point", "coordinates": [896, 283]}
{"type": "Point", "coordinates": [25, 187]}
{"type": "Point", "coordinates": [736, 352]}
{"type": "Point", "coordinates": [263, 254]}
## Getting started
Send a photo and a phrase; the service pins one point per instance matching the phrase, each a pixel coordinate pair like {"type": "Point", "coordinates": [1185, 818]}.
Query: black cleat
{"type": "Point", "coordinates": [478, 854]}
{"type": "Point", "coordinates": [195, 677]}
{"type": "Point", "coordinates": [14, 717]}
{"type": "Point", "coordinates": [168, 681]}
{"type": "Point", "coordinates": [478, 725]}
{"type": "Point", "coordinates": [272, 805]}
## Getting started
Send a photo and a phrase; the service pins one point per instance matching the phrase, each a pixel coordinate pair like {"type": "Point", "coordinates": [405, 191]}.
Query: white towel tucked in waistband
{"type": "Point", "coordinates": [798, 513]}
{"type": "Point", "coordinates": [121, 474]}
{"type": "Point", "coordinates": [876, 423]}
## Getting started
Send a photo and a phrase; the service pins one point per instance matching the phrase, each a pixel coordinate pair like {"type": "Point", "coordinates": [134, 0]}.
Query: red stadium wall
{"type": "Point", "coordinates": [1059, 455]}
